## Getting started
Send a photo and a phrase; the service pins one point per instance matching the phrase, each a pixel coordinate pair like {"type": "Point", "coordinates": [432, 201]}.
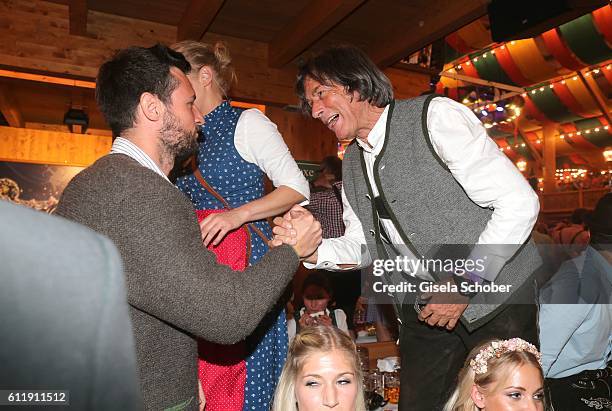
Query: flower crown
{"type": "Point", "coordinates": [497, 348]}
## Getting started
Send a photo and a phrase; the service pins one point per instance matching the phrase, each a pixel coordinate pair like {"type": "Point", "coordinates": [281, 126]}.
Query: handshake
{"type": "Point", "coordinates": [299, 229]}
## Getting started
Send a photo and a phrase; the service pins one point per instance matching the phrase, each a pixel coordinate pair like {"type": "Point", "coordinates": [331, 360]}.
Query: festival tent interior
{"type": "Point", "coordinates": [543, 92]}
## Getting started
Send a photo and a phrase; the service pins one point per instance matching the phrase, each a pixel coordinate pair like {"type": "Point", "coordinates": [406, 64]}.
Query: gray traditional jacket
{"type": "Point", "coordinates": [429, 208]}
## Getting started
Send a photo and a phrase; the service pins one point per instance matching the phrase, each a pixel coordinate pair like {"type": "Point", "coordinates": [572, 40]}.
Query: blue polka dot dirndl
{"type": "Point", "coordinates": [238, 182]}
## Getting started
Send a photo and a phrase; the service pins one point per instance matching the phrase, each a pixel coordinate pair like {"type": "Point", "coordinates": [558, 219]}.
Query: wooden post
{"type": "Point", "coordinates": [550, 134]}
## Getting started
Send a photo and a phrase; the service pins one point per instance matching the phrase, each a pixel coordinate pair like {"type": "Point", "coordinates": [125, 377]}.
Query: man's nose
{"type": "Point", "coordinates": [317, 109]}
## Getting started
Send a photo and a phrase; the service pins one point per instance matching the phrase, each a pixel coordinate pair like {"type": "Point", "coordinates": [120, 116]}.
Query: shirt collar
{"type": "Point", "coordinates": [124, 146]}
{"type": "Point", "coordinates": [376, 136]}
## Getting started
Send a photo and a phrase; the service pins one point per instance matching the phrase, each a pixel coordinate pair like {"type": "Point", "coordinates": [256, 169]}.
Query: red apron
{"type": "Point", "coordinates": [222, 368]}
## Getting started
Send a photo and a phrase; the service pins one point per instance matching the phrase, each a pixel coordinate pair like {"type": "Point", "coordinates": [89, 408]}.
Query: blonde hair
{"type": "Point", "coordinates": [498, 369]}
{"type": "Point", "coordinates": [216, 56]}
{"type": "Point", "coordinates": [312, 340]}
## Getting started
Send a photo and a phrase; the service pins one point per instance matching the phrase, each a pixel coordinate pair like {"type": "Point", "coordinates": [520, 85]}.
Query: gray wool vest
{"type": "Point", "coordinates": [429, 208]}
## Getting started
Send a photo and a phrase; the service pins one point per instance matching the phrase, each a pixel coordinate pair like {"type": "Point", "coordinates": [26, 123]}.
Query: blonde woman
{"type": "Point", "coordinates": [500, 375]}
{"type": "Point", "coordinates": [236, 148]}
{"type": "Point", "coordinates": [322, 372]}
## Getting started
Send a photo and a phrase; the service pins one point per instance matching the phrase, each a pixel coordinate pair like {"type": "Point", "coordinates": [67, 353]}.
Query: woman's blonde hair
{"type": "Point", "coordinates": [313, 340]}
{"type": "Point", "coordinates": [216, 56]}
{"type": "Point", "coordinates": [497, 370]}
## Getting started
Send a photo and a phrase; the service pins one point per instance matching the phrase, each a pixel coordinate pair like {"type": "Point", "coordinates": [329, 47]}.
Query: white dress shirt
{"type": "Point", "coordinates": [488, 177]}
{"type": "Point", "coordinates": [258, 141]}
{"type": "Point", "coordinates": [124, 146]}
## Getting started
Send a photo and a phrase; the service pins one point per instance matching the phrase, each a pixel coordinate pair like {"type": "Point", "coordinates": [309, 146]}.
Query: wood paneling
{"type": "Point", "coordinates": [433, 21]}
{"type": "Point", "coordinates": [407, 84]}
{"type": "Point", "coordinates": [312, 23]}
{"type": "Point", "coordinates": [256, 82]}
{"type": "Point", "coordinates": [256, 20]}
{"type": "Point", "coordinates": [9, 108]}
{"type": "Point", "coordinates": [163, 11]}
{"type": "Point", "coordinates": [307, 138]}
{"type": "Point", "coordinates": [51, 49]}
{"type": "Point", "coordinates": [48, 102]}
{"type": "Point", "coordinates": [197, 17]}
{"type": "Point", "coordinates": [78, 17]}
{"type": "Point", "coordinates": [51, 147]}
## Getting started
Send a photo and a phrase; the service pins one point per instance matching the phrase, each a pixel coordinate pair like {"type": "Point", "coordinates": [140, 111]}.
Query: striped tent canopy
{"type": "Point", "coordinates": [566, 73]}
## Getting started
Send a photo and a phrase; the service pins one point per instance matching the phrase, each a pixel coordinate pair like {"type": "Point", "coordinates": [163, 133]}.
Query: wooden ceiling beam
{"type": "Point", "coordinates": [435, 20]}
{"type": "Point", "coordinates": [42, 78]}
{"type": "Point", "coordinates": [601, 103]}
{"type": "Point", "coordinates": [9, 108]}
{"type": "Point", "coordinates": [317, 18]}
{"type": "Point", "coordinates": [77, 11]}
{"type": "Point", "coordinates": [197, 18]}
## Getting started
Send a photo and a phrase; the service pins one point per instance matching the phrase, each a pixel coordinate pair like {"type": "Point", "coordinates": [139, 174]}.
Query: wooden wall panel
{"type": "Point", "coordinates": [35, 37]}
{"type": "Point", "coordinates": [407, 84]}
{"type": "Point", "coordinates": [307, 138]}
{"type": "Point", "coordinates": [257, 82]}
{"type": "Point", "coordinates": [51, 147]}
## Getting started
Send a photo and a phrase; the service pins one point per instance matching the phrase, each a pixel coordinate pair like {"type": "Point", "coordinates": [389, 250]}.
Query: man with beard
{"type": "Point", "coordinates": [175, 288]}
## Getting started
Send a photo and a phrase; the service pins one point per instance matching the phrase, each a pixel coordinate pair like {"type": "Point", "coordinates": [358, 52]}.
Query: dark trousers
{"type": "Point", "coordinates": [432, 357]}
{"type": "Point", "coordinates": [589, 390]}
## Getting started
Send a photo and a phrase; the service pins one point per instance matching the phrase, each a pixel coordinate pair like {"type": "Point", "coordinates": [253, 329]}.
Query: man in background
{"type": "Point", "coordinates": [576, 322]}
{"type": "Point", "coordinates": [326, 207]}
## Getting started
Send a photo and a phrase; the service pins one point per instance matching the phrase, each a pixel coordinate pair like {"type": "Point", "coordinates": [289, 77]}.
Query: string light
{"type": "Point", "coordinates": [535, 90]}
{"type": "Point", "coordinates": [551, 85]}
{"type": "Point", "coordinates": [585, 131]}
{"type": "Point", "coordinates": [570, 173]}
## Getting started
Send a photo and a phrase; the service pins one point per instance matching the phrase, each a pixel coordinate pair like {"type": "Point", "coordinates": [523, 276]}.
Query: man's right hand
{"type": "Point", "coordinates": [299, 229]}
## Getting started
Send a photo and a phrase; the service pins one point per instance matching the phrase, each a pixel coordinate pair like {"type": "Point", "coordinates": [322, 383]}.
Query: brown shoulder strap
{"type": "Point", "coordinates": [198, 175]}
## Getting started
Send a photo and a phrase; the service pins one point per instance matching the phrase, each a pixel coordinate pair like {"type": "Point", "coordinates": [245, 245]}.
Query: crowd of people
{"type": "Point", "coordinates": [586, 181]}
{"type": "Point", "coordinates": [205, 277]}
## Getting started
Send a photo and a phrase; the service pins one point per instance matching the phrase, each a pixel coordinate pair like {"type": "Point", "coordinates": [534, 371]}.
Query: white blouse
{"type": "Point", "coordinates": [258, 141]}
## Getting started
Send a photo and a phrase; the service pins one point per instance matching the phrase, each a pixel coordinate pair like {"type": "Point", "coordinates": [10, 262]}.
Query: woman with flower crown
{"type": "Point", "coordinates": [500, 375]}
